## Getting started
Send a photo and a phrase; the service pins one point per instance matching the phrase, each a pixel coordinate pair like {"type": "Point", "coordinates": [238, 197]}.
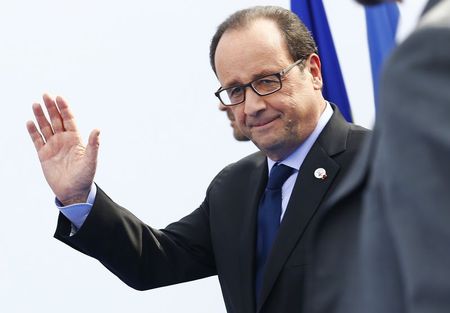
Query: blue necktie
{"type": "Point", "coordinates": [269, 214]}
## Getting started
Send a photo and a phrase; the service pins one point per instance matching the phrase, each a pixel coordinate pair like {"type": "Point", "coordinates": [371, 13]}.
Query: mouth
{"type": "Point", "coordinates": [262, 122]}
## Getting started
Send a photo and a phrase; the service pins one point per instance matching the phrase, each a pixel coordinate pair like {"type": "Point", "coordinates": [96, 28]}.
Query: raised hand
{"type": "Point", "coordinates": [68, 166]}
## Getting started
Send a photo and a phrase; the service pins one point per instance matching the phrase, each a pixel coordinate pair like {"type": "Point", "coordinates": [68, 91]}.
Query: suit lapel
{"type": "Point", "coordinates": [257, 184]}
{"type": "Point", "coordinates": [357, 173]}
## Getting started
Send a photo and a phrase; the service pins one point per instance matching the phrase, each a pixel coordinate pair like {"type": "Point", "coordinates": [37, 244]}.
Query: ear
{"type": "Point", "coordinates": [314, 66]}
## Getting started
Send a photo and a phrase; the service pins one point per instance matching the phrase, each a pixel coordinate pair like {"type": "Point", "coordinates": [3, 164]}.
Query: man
{"type": "Point", "coordinates": [269, 71]}
{"type": "Point", "coordinates": [237, 134]}
{"type": "Point", "coordinates": [393, 253]}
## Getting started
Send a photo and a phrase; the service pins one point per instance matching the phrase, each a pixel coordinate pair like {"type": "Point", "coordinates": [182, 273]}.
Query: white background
{"type": "Point", "coordinates": [139, 71]}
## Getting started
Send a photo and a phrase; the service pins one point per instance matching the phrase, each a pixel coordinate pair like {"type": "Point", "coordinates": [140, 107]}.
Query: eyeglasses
{"type": "Point", "coordinates": [262, 86]}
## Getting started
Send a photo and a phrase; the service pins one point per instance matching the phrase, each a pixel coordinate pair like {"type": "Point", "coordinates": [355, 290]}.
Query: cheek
{"type": "Point", "coordinates": [292, 97]}
{"type": "Point", "coordinates": [297, 113]}
{"type": "Point", "coordinates": [292, 108]}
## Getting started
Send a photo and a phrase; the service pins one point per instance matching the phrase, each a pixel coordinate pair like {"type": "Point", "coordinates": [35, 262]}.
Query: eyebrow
{"type": "Point", "coordinates": [235, 82]}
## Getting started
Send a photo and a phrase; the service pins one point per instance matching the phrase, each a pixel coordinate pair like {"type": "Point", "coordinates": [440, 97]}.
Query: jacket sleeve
{"type": "Point", "coordinates": [141, 256]}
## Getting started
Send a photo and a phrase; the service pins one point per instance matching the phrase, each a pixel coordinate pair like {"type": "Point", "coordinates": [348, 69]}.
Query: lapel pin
{"type": "Point", "coordinates": [320, 173]}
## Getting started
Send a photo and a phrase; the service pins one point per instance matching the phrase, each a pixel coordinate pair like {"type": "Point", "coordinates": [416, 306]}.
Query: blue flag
{"type": "Point", "coordinates": [313, 15]}
{"type": "Point", "coordinates": [382, 22]}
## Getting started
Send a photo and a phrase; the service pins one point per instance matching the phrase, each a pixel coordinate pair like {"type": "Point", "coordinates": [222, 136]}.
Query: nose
{"type": "Point", "coordinates": [253, 102]}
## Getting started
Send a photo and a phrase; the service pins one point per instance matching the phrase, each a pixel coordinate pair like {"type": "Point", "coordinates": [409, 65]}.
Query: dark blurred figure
{"type": "Point", "coordinates": [392, 255]}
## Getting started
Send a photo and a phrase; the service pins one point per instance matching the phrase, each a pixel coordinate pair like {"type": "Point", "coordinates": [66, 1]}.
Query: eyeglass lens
{"type": "Point", "coordinates": [262, 86]}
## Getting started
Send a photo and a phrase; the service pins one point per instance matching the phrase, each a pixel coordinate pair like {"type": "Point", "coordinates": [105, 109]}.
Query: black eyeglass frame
{"type": "Point", "coordinates": [279, 75]}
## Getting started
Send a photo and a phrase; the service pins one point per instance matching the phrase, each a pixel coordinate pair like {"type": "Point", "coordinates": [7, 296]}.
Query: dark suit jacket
{"type": "Point", "coordinates": [219, 237]}
{"type": "Point", "coordinates": [391, 253]}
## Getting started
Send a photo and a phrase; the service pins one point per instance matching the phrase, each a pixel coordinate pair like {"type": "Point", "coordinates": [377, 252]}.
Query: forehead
{"type": "Point", "coordinates": [254, 50]}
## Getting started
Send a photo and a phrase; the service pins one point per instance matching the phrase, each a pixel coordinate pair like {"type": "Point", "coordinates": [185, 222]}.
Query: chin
{"type": "Point", "coordinates": [270, 147]}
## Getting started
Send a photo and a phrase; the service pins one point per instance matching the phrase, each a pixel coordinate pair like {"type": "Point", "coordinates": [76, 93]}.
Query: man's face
{"type": "Point", "coordinates": [237, 134]}
{"type": "Point", "coordinates": [280, 122]}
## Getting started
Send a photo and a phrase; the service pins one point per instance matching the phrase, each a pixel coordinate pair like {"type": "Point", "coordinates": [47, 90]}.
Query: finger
{"type": "Point", "coordinates": [93, 146]}
{"type": "Point", "coordinates": [35, 135]}
{"type": "Point", "coordinates": [44, 125]}
{"type": "Point", "coordinates": [53, 113]}
{"type": "Point", "coordinates": [68, 119]}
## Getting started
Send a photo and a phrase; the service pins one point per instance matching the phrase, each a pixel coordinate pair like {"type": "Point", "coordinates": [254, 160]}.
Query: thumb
{"type": "Point", "coordinates": [93, 146]}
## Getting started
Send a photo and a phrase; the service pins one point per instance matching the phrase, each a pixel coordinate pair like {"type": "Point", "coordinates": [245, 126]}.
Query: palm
{"type": "Point", "coordinates": [68, 166]}
{"type": "Point", "coordinates": [63, 161]}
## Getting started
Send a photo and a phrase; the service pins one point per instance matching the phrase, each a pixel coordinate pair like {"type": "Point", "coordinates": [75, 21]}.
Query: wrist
{"type": "Point", "coordinates": [82, 197]}
{"type": "Point", "coordinates": [73, 200]}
